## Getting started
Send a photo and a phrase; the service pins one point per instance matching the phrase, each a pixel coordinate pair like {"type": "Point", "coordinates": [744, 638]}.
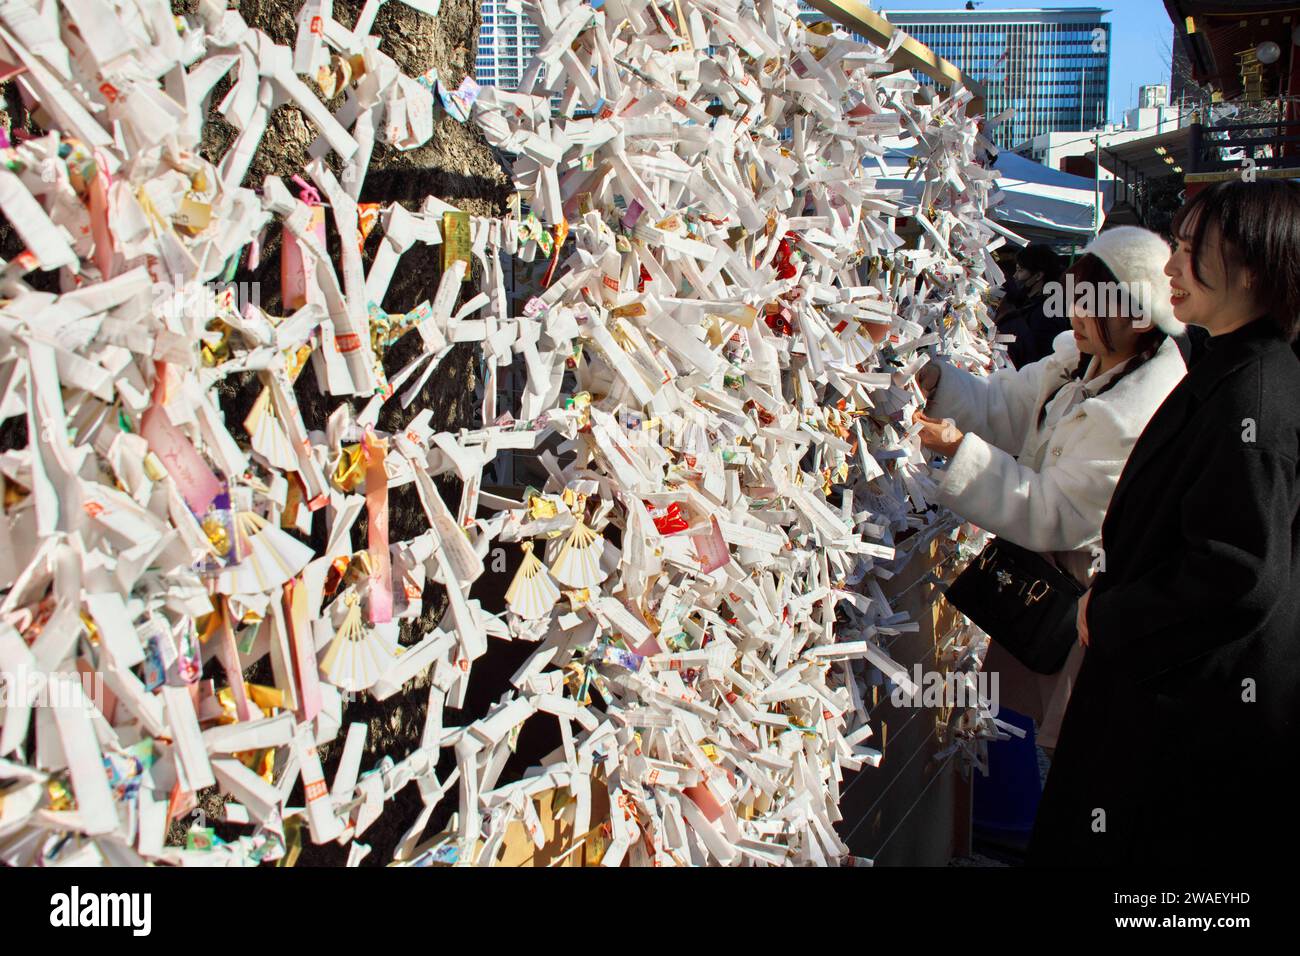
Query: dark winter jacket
{"type": "Point", "coordinates": [1034, 330]}
{"type": "Point", "coordinates": [1180, 744]}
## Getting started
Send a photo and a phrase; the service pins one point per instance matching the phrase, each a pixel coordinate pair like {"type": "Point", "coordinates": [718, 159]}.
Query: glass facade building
{"type": "Point", "coordinates": [506, 42]}
{"type": "Point", "coordinates": [1052, 66]}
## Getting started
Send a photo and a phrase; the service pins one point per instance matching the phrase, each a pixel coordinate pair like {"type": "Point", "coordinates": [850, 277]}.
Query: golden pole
{"type": "Point", "coordinates": [913, 55]}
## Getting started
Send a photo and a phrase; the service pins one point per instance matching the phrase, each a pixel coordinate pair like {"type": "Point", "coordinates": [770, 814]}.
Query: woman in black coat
{"type": "Point", "coordinates": [1179, 744]}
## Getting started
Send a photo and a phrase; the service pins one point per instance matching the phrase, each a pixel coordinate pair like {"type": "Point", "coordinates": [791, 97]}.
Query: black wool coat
{"type": "Point", "coordinates": [1179, 744]}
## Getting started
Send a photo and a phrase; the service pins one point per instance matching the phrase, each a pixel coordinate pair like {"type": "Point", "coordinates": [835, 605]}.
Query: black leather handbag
{"type": "Point", "coordinates": [1022, 601]}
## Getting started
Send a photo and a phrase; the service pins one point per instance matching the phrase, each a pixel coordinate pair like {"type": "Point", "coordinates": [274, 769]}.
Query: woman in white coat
{"type": "Point", "coordinates": [1035, 453]}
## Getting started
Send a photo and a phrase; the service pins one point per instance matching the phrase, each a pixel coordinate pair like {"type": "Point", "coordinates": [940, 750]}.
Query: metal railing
{"type": "Point", "coordinates": [1269, 144]}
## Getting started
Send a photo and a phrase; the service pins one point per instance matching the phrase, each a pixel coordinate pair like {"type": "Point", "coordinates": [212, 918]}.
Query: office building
{"type": "Point", "coordinates": [506, 42]}
{"type": "Point", "coordinates": [1052, 66]}
{"type": "Point", "coordinates": [1153, 116]}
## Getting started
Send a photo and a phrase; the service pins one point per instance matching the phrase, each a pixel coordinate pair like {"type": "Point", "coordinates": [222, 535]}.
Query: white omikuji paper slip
{"type": "Point", "coordinates": [717, 379]}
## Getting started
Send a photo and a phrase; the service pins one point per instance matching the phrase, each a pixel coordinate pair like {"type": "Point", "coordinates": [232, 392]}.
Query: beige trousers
{"type": "Point", "coordinates": [1040, 696]}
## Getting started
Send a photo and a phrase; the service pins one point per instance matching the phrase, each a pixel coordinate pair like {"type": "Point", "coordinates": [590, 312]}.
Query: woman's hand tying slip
{"type": "Point", "coordinates": [940, 437]}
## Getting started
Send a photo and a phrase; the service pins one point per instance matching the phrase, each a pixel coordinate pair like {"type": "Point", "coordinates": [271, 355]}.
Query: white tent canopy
{"type": "Point", "coordinates": [1038, 202]}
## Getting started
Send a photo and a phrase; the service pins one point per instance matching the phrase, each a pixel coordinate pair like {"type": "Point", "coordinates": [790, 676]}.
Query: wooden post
{"type": "Point", "coordinates": [913, 55]}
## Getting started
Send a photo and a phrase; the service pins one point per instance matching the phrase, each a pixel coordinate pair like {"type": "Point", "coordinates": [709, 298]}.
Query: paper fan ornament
{"type": "Point", "coordinates": [532, 593]}
{"type": "Point", "coordinates": [267, 435]}
{"type": "Point", "coordinates": [271, 557]}
{"type": "Point", "coordinates": [578, 563]}
{"type": "Point", "coordinates": [858, 347]}
{"type": "Point", "coordinates": [358, 655]}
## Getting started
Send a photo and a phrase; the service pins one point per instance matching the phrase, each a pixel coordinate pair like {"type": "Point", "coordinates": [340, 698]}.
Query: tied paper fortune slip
{"type": "Point", "coordinates": [711, 387]}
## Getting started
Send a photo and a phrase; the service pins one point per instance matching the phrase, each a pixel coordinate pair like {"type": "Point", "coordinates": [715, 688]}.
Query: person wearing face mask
{"type": "Point", "coordinates": [1181, 731]}
{"type": "Point", "coordinates": [1035, 453]}
{"type": "Point", "coordinates": [1023, 311]}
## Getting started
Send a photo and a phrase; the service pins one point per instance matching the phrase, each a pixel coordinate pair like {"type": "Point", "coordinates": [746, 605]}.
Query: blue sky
{"type": "Point", "coordinates": [1141, 35]}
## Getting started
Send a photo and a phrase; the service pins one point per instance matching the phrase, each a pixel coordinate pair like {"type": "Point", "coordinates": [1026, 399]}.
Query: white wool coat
{"type": "Point", "coordinates": [1044, 487]}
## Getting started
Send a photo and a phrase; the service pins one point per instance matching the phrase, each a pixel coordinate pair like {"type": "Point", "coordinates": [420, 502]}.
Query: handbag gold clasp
{"type": "Point", "coordinates": [1034, 594]}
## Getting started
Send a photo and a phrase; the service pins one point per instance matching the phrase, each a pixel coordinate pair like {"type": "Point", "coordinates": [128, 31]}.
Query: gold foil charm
{"type": "Point", "coordinates": [218, 534]}
{"type": "Point", "coordinates": [456, 241]}
{"type": "Point", "coordinates": [350, 469]}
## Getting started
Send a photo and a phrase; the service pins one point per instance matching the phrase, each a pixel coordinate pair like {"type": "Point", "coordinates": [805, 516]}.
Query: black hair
{"type": "Point", "coordinates": [1258, 225]}
{"type": "Point", "coordinates": [1091, 273]}
{"type": "Point", "coordinates": [1037, 257]}
{"type": "Point", "coordinates": [1090, 270]}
